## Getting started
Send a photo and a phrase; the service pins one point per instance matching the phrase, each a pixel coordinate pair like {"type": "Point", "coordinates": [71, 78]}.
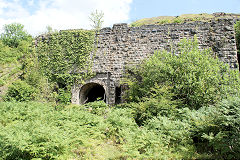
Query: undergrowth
{"type": "Point", "coordinates": [36, 130]}
{"type": "Point", "coordinates": [31, 130]}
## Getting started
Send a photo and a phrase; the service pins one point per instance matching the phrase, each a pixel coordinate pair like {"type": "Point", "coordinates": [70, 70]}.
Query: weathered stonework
{"type": "Point", "coordinates": [122, 45]}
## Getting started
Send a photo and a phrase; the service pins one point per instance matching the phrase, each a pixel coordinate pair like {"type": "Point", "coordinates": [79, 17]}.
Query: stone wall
{"type": "Point", "coordinates": [122, 45]}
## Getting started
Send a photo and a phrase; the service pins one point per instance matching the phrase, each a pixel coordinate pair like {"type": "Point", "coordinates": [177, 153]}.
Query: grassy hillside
{"type": "Point", "coordinates": [181, 19]}
{"type": "Point", "coordinates": [10, 65]}
{"type": "Point", "coordinates": [33, 130]}
{"type": "Point", "coordinates": [8, 74]}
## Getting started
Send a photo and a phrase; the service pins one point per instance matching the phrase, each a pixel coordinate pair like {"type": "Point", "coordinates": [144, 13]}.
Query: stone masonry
{"type": "Point", "coordinates": [122, 45]}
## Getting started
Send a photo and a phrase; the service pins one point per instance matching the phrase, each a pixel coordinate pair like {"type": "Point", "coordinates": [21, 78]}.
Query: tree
{"type": "Point", "coordinates": [13, 34]}
{"type": "Point", "coordinates": [97, 20]}
{"type": "Point", "coordinates": [50, 30]}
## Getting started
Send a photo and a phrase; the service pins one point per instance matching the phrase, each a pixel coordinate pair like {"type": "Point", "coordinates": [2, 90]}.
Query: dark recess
{"type": "Point", "coordinates": [118, 92]}
{"type": "Point", "coordinates": [96, 93]}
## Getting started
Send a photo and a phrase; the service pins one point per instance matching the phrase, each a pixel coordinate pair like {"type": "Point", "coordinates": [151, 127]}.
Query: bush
{"type": "Point", "coordinates": [237, 31]}
{"type": "Point", "coordinates": [158, 103]}
{"type": "Point", "coordinates": [20, 91]}
{"type": "Point", "coordinates": [33, 76]}
{"type": "Point", "coordinates": [97, 107]}
{"type": "Point", "coordinates": [176, 134]}
{"type": "Point", "coordinates": [64, 96]}
{"type": "Point", "coordinates": [36, 130]}
{"type": "Point", "coordinates": [8, 54]}
{"type": "Point", "coordinates": [195, 77]}
{"type": "Point", "coordinates": [217, 129]}
{"type": "Point", "coordinates": [135, 142]}
{"type": "Point", "coordinates": [95, 131]}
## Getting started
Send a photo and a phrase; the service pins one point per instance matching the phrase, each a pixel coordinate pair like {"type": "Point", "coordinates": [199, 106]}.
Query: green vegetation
{"type": "Point", "coordinates": [8, 54]}
{"type": "Point", "coordinates": [49, 69]}
{"type": "Point", "coordinates": [20, 91]}
{"type": "Point", "coordinates": [95, 131]}
{"type": "Point", "coordinates": [185, 18]}
{"type": "Point", "coordinates": [13, 34]}
{"type": "Point", "coordinates": [64, 56]}
{"type": "Point", "coordinates": [14, 44]}
{"type": "Point", "coordinates": [193, 78]}
{"type": "Point", "coordinates": [37, 130]}
{"type": "Point", "coordinates": [188, 98]}
{"type": "Point", "coordinates": [237, 32]}
{"type": "Point", "coordinates": [182, 105]}
{"type": "Point", "coordinates": [97, 20]}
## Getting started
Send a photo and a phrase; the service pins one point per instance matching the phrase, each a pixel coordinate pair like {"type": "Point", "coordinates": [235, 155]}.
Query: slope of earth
{"type": "Point", "coordinates": [185, 18]}
{"type": "Point", "coordinates": [9, 73]}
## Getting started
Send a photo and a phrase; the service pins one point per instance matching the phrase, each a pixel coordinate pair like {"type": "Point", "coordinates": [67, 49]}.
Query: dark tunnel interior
{"type": "Point", "coordinates": [95, 93]}
{"type": "Point", "coordinates": [92, 92]}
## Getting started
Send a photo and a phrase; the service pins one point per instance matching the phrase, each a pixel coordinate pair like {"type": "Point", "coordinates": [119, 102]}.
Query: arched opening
{"type": "Point", "coordinates": [91, 92]}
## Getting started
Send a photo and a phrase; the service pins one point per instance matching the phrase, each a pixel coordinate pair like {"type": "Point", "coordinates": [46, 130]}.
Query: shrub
{"type": "Point", "coordinates": [237, 31]}
{"type": "Point", "coordinates": [64, 96]}
{"type": "Point", "coordinates": [158, 103]}
{"type": "Point", "coordinates": [178, 20]}
{"type": "Point", "coordinates": [8, 54]}
{"type": "Point", "coordinates": [97, 107]}
{"type": "Point", "coordinates": [33, 76]}
{"type": "Point", "coordinates": [36, 130]}
{"type": "Point", "coordinates": [136, 143]}
{"type": "Point", "coordinates": [160, 138]}
{"type": "Point", "coordinates": [175, 134]}
{"type": "Point", "coordinates": [195, 77]}
{"type": "Point", "coordinates": [20, 91]}
{"type": "Point", "coordinates": [217, 129]}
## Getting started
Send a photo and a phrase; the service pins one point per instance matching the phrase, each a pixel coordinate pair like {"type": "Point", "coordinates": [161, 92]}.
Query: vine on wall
{"type": "Point", "coordinates": [237, 32]}
{"type": "Point", "coordinates": [64, 57]}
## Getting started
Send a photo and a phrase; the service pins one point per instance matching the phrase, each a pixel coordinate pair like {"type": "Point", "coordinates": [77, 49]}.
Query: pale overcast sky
{"type": "Point", "coordinates": [72, 14]}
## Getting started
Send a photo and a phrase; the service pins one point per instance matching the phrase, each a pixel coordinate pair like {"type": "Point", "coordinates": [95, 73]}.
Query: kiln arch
{"type": "Point", "coordinates": [91, 92]}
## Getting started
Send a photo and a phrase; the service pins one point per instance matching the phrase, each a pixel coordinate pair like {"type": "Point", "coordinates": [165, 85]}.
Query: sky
{"type": "Point", "coordinates": [36, 15]}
